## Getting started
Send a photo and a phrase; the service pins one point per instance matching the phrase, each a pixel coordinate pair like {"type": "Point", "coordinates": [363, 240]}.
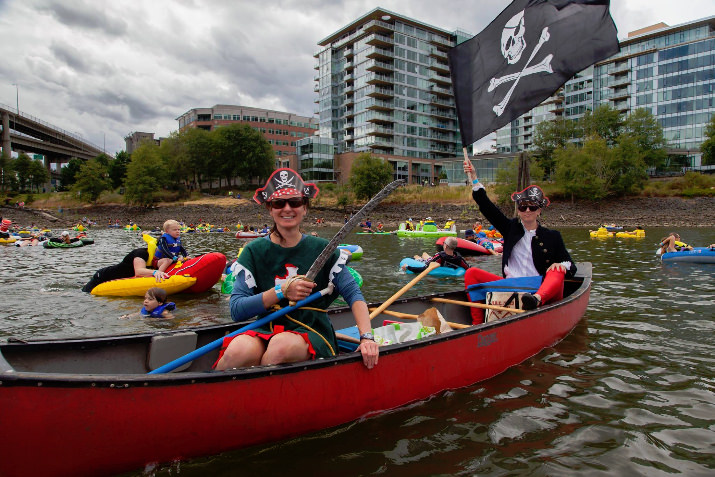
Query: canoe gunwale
{"type": "Point", "coordinates": [10, 377]}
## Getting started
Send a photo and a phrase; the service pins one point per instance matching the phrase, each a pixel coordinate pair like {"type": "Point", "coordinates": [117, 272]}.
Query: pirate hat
{"type": "Point", "coordinates": [532, 194]}
{"type": "Point", "coordinates": [282, 182]}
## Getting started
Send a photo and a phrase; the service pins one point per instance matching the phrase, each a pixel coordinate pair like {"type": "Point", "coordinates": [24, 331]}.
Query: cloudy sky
{"type": "Point", "coordinates": [104, 69]}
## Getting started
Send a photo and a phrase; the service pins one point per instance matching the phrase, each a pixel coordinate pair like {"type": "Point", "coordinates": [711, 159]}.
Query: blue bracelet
{"type": "Point", "coordinates": [279, 292]}
{"type": "Point", "coordinates": [475, 181]}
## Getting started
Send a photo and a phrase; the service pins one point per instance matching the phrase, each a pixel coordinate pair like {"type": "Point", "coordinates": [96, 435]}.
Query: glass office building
{"type": "Point", "coordinates": [668, 70]}
{"type": "Point", "coordinates": [384, 87]}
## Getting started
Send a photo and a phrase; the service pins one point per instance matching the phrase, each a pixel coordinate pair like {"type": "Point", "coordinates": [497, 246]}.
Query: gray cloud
{"type": "Point", "coordinates": [85, 15]}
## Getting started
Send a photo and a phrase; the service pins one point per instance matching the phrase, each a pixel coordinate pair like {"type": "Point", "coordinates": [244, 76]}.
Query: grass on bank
{"type": "Point", "coordinates": [332, 196]}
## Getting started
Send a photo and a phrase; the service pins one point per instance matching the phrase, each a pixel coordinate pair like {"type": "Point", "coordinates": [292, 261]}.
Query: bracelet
{"type": "Point", "coordinates": [154, 273]}
{"type": "Point", "coordinates": [279, 292]}
{"type": "Point", "coordinates": [475, 181]}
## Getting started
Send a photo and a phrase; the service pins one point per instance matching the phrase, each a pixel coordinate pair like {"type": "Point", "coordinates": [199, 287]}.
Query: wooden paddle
{"type": "Point", "coordinates": [398, 314]}
{"type": "Point", "coordinates": [478, 305]}
{"type": "Point", "coordinates": [402, 291]}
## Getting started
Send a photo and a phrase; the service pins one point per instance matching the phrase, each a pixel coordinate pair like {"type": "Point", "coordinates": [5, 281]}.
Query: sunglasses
{"type": "Point", "coordinates": [533, 208]}
{"type": "Point", "coordinates": [294, 203]}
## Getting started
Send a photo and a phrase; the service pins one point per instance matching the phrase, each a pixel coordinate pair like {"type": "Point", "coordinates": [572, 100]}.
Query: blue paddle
{"type": "Point", "coordinates": [217, 343]}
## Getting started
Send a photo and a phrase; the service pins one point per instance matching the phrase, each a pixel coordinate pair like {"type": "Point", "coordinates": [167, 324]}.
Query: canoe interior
{"type": "Point", "coordinates": [72, 360]}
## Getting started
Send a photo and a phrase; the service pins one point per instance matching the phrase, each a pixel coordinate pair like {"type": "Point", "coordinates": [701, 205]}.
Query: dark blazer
{"type": "Point", "coordinates": [547, 246]}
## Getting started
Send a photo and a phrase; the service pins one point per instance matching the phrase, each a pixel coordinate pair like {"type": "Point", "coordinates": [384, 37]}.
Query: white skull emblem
{"type": "Point", "coordinates": [284, 176]}
{"type": "Point", "coordinates": [512, 38]}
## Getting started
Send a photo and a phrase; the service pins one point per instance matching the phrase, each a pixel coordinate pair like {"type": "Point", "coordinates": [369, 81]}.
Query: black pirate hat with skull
{"type": "Point", "coordinates": [533, 195]}
{"type": "Point", "coordinates": [284, 182]}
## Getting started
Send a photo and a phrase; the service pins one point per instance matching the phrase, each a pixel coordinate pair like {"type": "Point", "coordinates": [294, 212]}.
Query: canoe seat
{"type": "Point", "coordinates": [166, 348]}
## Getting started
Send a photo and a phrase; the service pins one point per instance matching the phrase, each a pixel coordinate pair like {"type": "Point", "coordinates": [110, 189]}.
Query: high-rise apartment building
{"type": "Point", "coordinates": [384, 87]}
{"type": "Point", "coordinates": [281, 129]}
{"type": "Point", "coordinates": [668, 70]}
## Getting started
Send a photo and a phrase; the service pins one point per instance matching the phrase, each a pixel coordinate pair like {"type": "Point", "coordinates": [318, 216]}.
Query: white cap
{"type": "Point", "coordinates": [65, 233]}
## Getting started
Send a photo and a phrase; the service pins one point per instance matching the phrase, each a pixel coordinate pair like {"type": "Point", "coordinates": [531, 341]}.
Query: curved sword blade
{"type": "Point", "coordinates": [349, 225]}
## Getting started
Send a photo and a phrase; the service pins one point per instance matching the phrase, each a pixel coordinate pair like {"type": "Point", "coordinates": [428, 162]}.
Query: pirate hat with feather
{"type": "Point", "coordinates": [285, 181]}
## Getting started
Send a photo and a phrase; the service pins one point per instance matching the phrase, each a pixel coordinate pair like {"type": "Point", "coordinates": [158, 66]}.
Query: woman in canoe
{"type": "Point", "coordinates": [529, 249]}
{"type": "Point", "coordinates": [267, 276]}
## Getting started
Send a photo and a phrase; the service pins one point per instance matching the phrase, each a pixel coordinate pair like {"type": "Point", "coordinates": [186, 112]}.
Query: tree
{"type": "Point", "coordinates": [708, 146]}
{"type": "Point", "coordinates": [582, 172]}
{"type": "Point", "coordinates": [22, 166]}
{"type": "Point", "coordinates": [244, 152]}
{"type": "Point", "coordinates": [38, 174]}
{"type": "Point", "coordinates": [369, 175]}
{"type": "Point", "coordinates": [117, 168]}
{"type": "Point", "coordinates": [92, 180]}
{"type": "Point", "coordinates": [647, 133]}
{"type": "Point", "coordinates": [175, 156]}
{"type": "Point", "coordinates": [199, 148]}
{"type": "Point", "coordinates": [596, 171]}
{"type": "Point", "coordinates": [604, 122]}
{"type": "Point", "coordinates": [627, 165]}
{"type": "Point", "coordinates": [146, 174]}
{"type": "Point", "coordinates": [68, 172]}
{"type": "Point", "coordinates": [549, 136]}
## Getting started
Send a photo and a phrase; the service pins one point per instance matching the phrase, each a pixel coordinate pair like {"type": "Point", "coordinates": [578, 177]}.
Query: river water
{"type": "Point", "coordinates": [631, 391]}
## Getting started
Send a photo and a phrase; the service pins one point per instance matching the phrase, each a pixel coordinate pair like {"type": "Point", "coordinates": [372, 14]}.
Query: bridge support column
{"type": "Point", "coordinates": [6, 144]}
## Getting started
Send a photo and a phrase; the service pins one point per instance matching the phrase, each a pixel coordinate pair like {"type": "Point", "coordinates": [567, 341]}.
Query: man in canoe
{"type": "Point", "coordinates": [132, 265]}
{"type": "Point", "coordinates": [529, 248]}
{"type": "Point", "coordinates": [268, 275]}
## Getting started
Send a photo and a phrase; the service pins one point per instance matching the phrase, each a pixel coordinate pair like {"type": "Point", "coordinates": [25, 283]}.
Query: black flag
{"type": "Point", "coordinates": [523, 56]}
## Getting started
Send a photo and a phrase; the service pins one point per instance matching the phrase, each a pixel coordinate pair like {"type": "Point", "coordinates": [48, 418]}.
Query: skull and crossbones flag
{"type": "Point", "coordinates": [528, 52]}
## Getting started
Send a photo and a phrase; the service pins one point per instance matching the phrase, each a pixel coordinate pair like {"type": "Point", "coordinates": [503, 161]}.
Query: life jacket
{"type": "Point", "coordinates": [156, 312]}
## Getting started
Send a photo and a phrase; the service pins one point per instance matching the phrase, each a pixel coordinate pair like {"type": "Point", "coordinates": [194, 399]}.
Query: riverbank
{"type": "Point", "coordinates": [644, 212]}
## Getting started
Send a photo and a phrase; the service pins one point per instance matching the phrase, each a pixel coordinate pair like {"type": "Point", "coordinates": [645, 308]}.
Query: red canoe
{"type": "Point", "coordinates": [467, 247]}
{"type": "Point", "coordinates": [87, 407]}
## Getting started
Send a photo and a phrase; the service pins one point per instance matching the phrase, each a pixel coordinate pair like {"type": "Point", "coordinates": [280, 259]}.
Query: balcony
{"type": "Point", "coordinates": [442, 80]}
{"type": "Point", "coordinates": [380, 117]}
{"type": "Point", "coordinates": [375, 141]}
{"type": "Point", "coordinates": [379, 105]}
{"type": "Point", "coordinates": [619, 81]}
{"type": "Point", "coordinates": [435, 136]}
{"type": "Point", "coordinates": [442, 102]}
{"type": "Point", "coordinates": [438, 40]}
{"type": "Point", "coordinates": [378, 130]}
{"type": "Point", "coordinates": [379, 66]}
{"type": "Point", "coordinates": [443, 113]}
{"type": "Point", "coordinates": [619, 94]}
{"type": "Point", "coordinates": [441, 66]}
{"type": "Point", "coordinates": [376, 39]}
{"type": "Point", "coordinates": [379, 92]}
{"type": "Point", "coordinates": [380, 53]}
{"type": "Point", "coordinates": [437, 53]}
{"type": "Point", "coordinates": [441, 126]}
{"type": "Point", "coordinates": [442, 150]}
{"type": "Point", "coordinates": [441, 91]}
{"type": "Point", "coordinates": [378, 78]}
{"type": "Point", "coordinates": [378, 26]}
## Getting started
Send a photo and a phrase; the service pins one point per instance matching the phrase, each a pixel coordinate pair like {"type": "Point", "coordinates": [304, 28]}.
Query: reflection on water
{"type": "Point", "coordinates": [629, 392]}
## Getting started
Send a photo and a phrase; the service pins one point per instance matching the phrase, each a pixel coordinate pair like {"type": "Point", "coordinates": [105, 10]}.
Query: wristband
{"type": "Point", "coordinates": [279, 292]}
{"type": "Point", "coordinates": [475, 181]}
{"type": "Point", "coordinates": [154, 273]}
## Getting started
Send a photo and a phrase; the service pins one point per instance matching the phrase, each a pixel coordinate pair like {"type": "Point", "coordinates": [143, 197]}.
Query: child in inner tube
{"type": "Point", "coordinates": [155, 305]}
